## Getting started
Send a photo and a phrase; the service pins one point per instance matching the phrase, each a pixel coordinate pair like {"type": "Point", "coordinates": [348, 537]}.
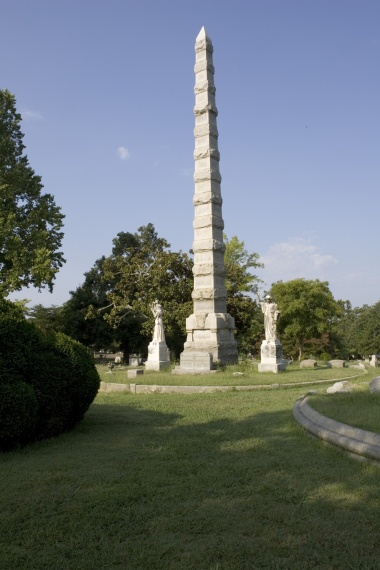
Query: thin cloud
{"type": "Point", "coordinates": [297, 257]}
{"type": "Point", "coordinates": [123, 153]}
{"type": "Point", "coordinates": [31, 115]}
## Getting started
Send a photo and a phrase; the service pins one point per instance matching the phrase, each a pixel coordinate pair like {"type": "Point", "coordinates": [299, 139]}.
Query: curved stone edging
{"type": "Point", "coordinates": [355, 440]}
{"type": "Point", "coordinates": [158, 388]}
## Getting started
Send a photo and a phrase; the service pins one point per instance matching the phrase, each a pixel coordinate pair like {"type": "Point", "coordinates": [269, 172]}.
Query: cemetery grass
{"type": "Point", "coordinates": [222, 481]}
{"type": "Point", "coordinates": [358, 408]}
{"type": "Point", "coordinates": [245, 374]}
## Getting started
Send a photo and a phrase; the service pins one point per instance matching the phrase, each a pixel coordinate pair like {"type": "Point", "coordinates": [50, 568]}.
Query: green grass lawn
{"type": "Point", "coordinates": [239, 375]}
{"type": "Point", "coordinates": [359, 408]}
{"type": "Point", "coordinates": [205, 482]}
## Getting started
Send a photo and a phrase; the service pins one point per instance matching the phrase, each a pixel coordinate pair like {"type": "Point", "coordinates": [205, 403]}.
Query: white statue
{"type": "Point", "coordinates": [271, 317]}
{"type": "Point", "coordinates": [158, 331]}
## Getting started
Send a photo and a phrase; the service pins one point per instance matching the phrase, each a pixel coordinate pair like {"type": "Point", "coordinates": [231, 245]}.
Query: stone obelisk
{"type": "Point", "coordinates": [210, 329]}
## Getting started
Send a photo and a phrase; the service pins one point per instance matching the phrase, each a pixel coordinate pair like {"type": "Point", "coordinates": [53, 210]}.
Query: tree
{"type": "Point", "coordinates": [97, 332]}
{"type": "Point", "coordinates": [308, 310]}
{"type": "Point", "coordinates": [48, 319]}
{"type": "Point", "coordinates": [359, 329]}
{"type": "Point", "coordinates": [241, 284]}
{"type": "Point", "coordinates": [30, 222]}
{"type": "Point", "coordinates": [141, 269]}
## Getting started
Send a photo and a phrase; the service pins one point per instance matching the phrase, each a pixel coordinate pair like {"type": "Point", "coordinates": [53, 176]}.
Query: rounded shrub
{"type": "Point", "coordinates": [54, 373]}
{"type": "Point", "coordinates": [18, 414]}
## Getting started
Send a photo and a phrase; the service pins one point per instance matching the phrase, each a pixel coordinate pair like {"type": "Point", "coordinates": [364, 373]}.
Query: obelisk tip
{"type": "Point", "coordinates": [202, 34]}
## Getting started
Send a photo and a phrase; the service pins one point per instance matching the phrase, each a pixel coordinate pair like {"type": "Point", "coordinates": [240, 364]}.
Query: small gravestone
{"type": "Point", "coordinates": [134, 373]}
{"type": "Point", "coordinates": [373, 361]}
{"type": "Point", "coordinates": [374, 386]}
{"type": "Point", "coordinates": [309, 363]}
{"type": "Point", "coordinates": [337, 363]}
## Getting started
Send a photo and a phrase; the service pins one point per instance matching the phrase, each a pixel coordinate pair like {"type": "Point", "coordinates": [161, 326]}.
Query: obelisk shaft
{"type": "Point", "coordinates": [208, 224]}
{"type": "Point", "coordinates": [210, 329]}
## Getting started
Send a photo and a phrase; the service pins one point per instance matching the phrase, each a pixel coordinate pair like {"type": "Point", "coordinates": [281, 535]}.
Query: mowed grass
{"type": "Point", "coordinates": [358, 408]}
{"type": "Point", "coordinates": [244, 374]}
{"type": "Point", "coordinates": [165, 481]}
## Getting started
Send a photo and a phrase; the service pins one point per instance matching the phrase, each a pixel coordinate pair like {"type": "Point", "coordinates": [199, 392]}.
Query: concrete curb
{"type": "Point", "coordinates": [159, 389]}
{"type": "Point", "coordinates": [354, 440]}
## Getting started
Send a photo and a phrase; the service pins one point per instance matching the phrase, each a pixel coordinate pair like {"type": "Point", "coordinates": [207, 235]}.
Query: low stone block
{"type": "Point", "coordinates": [337, 363]}
{"type": "Point", "coordinates": [134, 373]}
{"type": "Point", "coordinates": [374, 386]}
{"type": "Point", "coordinates": [309, 363]}
{"type": "Point", "coordinates": [343, 386]}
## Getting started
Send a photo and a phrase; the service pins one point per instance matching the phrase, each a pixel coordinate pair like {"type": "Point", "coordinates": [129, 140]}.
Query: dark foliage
{"type": "Point", "coordinates": [47, 382]}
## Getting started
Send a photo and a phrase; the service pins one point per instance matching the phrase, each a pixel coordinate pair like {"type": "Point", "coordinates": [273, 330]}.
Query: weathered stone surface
{"type": "Point", "coordinates": [373, 361]}
{"type": "Point", "coordinates": [210, 329]}
{"type": "Point", "coordinates": [343, 386]}
{"type": "Point", "coordinates": [195, 362]}
{"type": "Point", "coordinates": [271, 357]}
{"type": "Point", "coordinates": [374, 386]}
{"type": "Point", "coordinates": [111, 387]}
{"type": "Point", "coordinates": [337, 363]}
{"type": "Point", "coordinates": [355, 440]}
{"type": "Point", "coordinates": [158, 353]}
{"type": "Point", "coordinates": [134, 373]}
{"type": "Point", "coordinates": [309, 363]}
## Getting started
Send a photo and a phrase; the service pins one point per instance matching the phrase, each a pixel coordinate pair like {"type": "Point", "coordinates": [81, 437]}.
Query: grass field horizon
{"type": "Point", "coordinates": [211, 481]}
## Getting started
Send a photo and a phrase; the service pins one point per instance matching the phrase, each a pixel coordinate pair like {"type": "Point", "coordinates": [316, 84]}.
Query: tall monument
{"type": "Point", "coordinates": [210, 329]}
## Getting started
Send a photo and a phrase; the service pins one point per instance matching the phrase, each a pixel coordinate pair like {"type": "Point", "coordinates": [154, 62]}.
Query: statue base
{"type": "Point", "coordinates": [193, 362]}
{"type": "Point", "coordinates": [158, 356]}
{"type": "Point", "coordinates": [271, 357]}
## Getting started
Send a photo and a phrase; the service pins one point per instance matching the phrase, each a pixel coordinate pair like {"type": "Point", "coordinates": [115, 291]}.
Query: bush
{"type": "Point", "coordinates": [18, 414]}
{"type": "Point", "coordinates": [325, 356]}
{"type": "Point", "coordinates": [54, 373]}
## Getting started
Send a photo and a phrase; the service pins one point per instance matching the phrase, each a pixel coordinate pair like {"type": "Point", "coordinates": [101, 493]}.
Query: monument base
{"type": "Point", "coordinates": [271, 357]}
{"type": "Point", "coordinates": [195, 362]}
{"type": "Point", "coordinates": [158, 356]}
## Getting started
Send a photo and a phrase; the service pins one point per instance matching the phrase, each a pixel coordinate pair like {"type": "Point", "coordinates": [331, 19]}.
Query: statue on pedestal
{"type": "Point", "coordinates": [158, 331]}
{"type": "Point", "coordinates": [271, 349]}
{"type": "Point", "coordinates": [271, 317]}
{"type": "Point", "coordinates": [158, 352]}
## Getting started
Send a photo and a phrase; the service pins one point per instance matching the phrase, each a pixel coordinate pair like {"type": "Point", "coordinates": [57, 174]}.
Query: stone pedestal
{"type": "Point", "coordinates": [158, 356]}
{"type": "Point", "coordinates": [193, 362]}
{"type": "Point", "coordinates": [271, 357]}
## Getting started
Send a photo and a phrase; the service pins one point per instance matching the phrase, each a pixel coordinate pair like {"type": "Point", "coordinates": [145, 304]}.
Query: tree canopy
{"type": "Point", "coordinates": [308, 310]}
{"type": "Point", "coordinates": [30, 222]}
{"type": "Point", "coordinates": [241, 284]}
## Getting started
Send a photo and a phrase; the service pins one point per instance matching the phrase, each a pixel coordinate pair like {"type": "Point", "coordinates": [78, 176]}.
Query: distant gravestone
{"type": "Point", "coordinates": [374, 386]}
{"type": "Point", "coordinates": [337, 363]}
{"type": "Point", "coordinates": [134, 360]}
{"type": "Point", "coordinates": [134, 373]}
{"type": "Point", "coordinates": [373, 361]}
{"type": "Point", "coordinates": [309, 363]}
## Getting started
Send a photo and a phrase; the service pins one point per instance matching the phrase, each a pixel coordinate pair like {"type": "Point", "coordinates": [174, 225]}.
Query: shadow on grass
{"type": "Point", "coordinates": [170, 482]}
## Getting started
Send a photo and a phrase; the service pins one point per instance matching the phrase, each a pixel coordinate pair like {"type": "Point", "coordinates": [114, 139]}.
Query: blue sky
{"type": "Point", "coordinates": [105, 89]}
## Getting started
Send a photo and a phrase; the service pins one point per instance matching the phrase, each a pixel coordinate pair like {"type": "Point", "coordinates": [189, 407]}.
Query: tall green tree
{"type": "Point", "coordinates": [48, 319]}
{"type": "Point", "coordinates": [308, 311]}
{"type": "Point", "coordinates": [359, 329]}
{"type": "Point", "coordinates": [94, 330]}
{"type": "Point", "coordinates": [142, 268]}
{"type": "Point", "coordinates": [242, 285]}
{"type": "Point", "coordinates": [30, 222]}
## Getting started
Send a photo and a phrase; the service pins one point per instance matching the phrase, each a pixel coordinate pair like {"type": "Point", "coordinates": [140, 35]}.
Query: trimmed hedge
{"type": "Point", "coordinates": [47, 383]}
